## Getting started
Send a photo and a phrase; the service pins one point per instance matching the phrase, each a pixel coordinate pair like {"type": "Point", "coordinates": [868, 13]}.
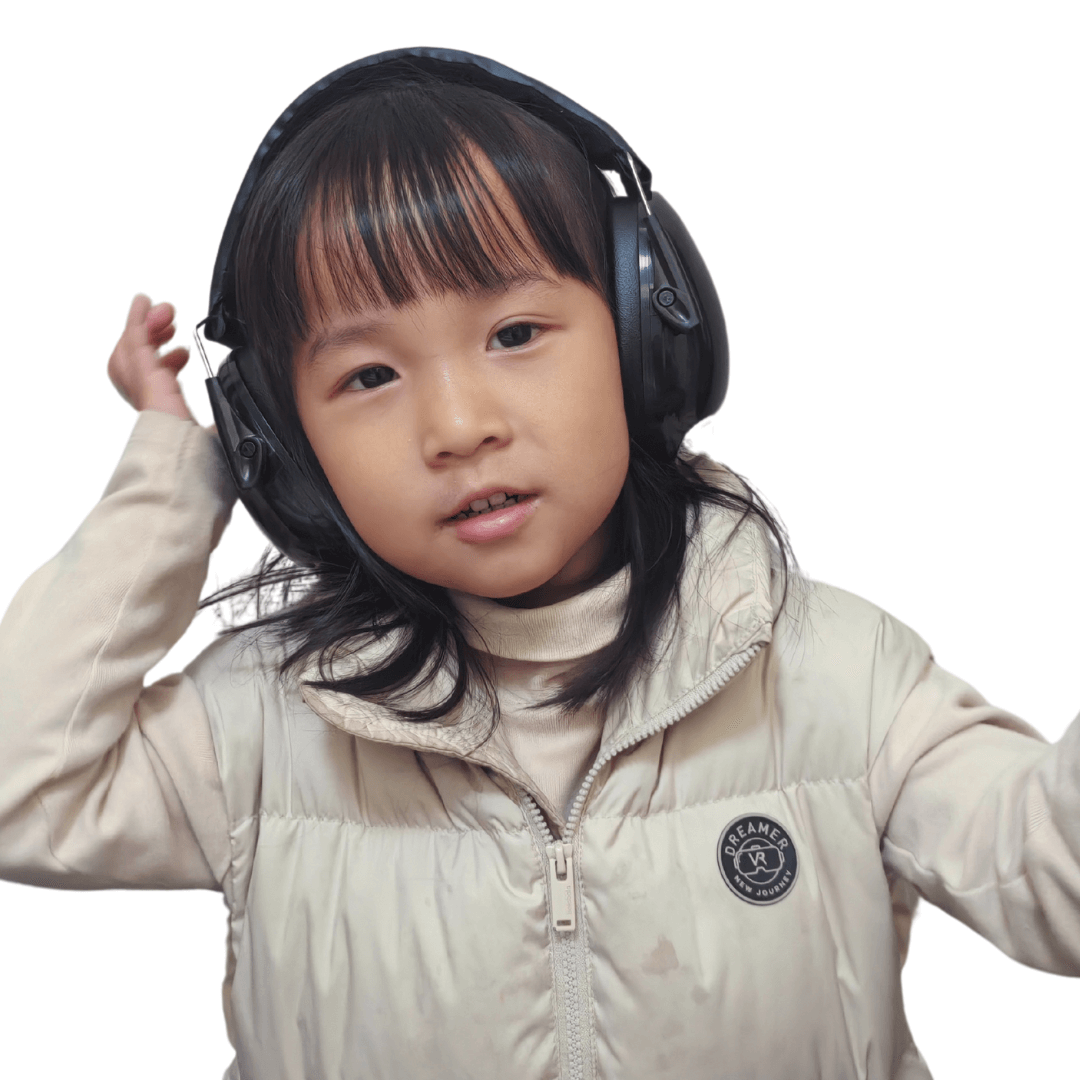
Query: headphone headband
{"type": "Point", "coordinates": [603, 145]}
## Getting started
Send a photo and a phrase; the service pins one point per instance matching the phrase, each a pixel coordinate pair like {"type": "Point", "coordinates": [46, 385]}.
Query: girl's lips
{"type": "Point", "coordinates": [496, 524]}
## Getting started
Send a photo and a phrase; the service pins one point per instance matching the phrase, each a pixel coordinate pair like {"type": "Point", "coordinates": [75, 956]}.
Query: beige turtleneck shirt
{"type": "Point", "coordinates": [530, 650]}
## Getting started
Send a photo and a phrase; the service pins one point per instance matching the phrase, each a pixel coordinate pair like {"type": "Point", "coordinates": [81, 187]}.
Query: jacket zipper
{"type": "Point", "coordinates": [570, 961]}
{"type": "Point", "coordinates": [568, 952]}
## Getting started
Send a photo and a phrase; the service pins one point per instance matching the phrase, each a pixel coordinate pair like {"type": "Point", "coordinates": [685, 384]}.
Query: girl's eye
{"type": "Point", "coordinates": [511, 337]}
{"type": "Point", "coordinates": [370, 377]}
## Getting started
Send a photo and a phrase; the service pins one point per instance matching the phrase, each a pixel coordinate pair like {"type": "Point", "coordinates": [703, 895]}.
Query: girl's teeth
{"type": "Point", "coordinates": [485, 506]}
{"type": "Point", "coordinates": [482, 505]}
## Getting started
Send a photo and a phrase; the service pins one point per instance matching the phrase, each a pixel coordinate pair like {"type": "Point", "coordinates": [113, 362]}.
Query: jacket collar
{"type": "Point", "coordinates": [728, 598]}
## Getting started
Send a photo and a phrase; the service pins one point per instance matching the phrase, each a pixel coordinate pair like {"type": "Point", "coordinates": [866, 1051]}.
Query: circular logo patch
{"type": "Point", "coordinates": [757, 859]}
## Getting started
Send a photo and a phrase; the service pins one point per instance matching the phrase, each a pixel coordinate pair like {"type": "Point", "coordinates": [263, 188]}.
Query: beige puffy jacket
{"type": "Point", "coordinates": [404, 906]}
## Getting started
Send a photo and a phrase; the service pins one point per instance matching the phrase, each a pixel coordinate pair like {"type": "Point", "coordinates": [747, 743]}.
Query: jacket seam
{"type": "Point", "coordinates": [230, 876]}
{"type": "Point", "coordinates": [845, 781]}
{"type": "Point", "coordinates": [933, 875]}
{"type": "Point", "coordinates": [326, 820]}
{"type": "Point", "coordinates": [234, 828]}
{"type": "Point", "coordinates": [872, 762]}
{"type": "Point", "coordinates": [238, 912]}
{"type": "Point", "coordinates": [49, 833]}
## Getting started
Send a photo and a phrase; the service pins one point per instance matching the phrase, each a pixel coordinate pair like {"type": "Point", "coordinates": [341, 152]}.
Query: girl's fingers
{"type": "Point", "coordinates": [175, 359]}
{"type": "Point", "coordinates": [145, 379]}
{"type": "Point", "coordinates": [140, 305]}
{"type": "Point", "coordinates": [135, 330]}
{"type": "Point", "coordinates": [158, 337]}
{"type": "Point", "coordinates": [159, 315]}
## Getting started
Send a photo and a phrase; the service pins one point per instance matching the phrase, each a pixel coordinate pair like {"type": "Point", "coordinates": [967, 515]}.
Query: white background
{"type": "Point", "coordinates": [886, 195]}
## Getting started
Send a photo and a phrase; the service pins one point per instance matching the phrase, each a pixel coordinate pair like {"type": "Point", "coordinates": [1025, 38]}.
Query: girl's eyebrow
{"type": "Point", "coordinates": [353, 333]}
{"type": "Point", "coordinates": [515, 281]}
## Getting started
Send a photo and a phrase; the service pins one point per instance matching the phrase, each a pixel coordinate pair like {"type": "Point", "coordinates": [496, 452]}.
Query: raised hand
{"type": "Point", "coordinates": [144, 378]}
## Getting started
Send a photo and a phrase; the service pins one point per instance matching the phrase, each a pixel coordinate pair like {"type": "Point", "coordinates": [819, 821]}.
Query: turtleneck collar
{"type": "Point", "coordinates": [567, 630]}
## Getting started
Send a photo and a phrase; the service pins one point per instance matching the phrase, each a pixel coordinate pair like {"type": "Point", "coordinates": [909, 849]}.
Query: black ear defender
{"type": "Point", "coordinates": [672, 339]}
{"type": "Point", "coordinates": [280, 495]}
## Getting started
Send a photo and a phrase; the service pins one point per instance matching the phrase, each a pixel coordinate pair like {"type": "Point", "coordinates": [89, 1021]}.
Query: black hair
{"type": "Point", "coordinates": [382, 199]}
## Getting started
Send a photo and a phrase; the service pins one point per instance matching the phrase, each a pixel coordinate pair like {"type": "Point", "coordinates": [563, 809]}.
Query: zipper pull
{"type": "Point", "coordinates": [563, 891]}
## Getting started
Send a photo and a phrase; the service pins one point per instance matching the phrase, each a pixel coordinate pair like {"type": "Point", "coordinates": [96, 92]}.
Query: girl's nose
{"type": "Point", "coordinates": [459, 414]}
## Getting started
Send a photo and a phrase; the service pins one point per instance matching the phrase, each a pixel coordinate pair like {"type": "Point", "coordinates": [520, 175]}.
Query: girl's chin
{"type": "Point", "coordinates": [546, 590]}
{"type": "Point", "coordinates": [479, 581]}
{"type": "Point", "coordinates": [514, 588]}
{"type": "Point", "coordinates": [513, 595]}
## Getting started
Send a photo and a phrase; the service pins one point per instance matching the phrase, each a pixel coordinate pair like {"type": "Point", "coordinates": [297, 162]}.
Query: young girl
{"type": "Point", "coordinates": [583, 787]}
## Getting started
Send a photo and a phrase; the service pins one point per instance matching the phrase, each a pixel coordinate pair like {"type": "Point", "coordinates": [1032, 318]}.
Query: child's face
{"type": "Point", "coordinates": [412, 411]}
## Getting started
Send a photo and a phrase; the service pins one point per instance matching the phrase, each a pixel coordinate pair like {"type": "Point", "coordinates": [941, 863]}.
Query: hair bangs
{"type": "Point", "coordinates": [385, 231]}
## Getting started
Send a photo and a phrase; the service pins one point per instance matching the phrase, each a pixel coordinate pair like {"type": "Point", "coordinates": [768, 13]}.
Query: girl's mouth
{"type": "Point", "coordinates": [495, 522]}
{"type": "Point", "coordinates": [493, 504]}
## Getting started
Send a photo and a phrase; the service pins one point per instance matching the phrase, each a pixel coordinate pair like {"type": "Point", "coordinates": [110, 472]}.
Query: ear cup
{"type": "Point", "coordinates": [282, 496]}
{"type": "Point", "coordinates": [670, 327]}
{"type": "Point", "coordinates": [700, 365]}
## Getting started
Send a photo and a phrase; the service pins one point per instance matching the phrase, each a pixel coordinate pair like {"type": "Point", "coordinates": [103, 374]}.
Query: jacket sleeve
{"type": "Point", "coordinates": [977, 811]}
{"type": "Point", "coordinates": [104, 782]}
